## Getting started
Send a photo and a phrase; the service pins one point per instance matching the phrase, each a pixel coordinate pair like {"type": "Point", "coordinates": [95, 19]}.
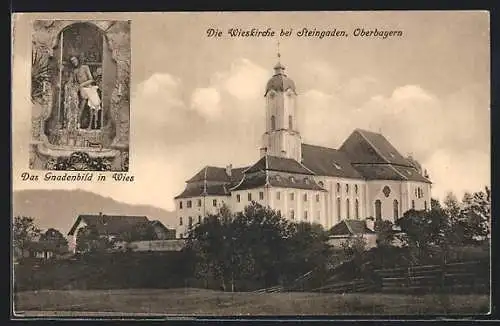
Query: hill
{"type": "Point", "coordinates": [59, 208]}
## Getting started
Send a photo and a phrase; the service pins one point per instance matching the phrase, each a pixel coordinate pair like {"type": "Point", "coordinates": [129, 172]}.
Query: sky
{"type": "Point", "coordinates": [198, 101]}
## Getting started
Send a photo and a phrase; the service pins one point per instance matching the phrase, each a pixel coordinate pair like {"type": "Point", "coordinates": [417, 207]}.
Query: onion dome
{"type": "Point", "coordinates": [279, 82]}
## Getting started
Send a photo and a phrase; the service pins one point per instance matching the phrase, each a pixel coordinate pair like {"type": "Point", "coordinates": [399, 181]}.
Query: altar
{"type": "Point", "coordinates": [80, 95]}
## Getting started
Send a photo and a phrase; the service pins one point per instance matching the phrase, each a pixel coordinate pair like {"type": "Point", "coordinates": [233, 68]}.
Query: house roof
{"type": "Point", "coordinates": [211, 173]}
{"type": "Point", "coordinates": [280, 164]}
{"type": "Point", "coordinates": [350, 227]}
{"type": "Point", "coordinates": [109, 224]}
{"type": "Point", "coordinates": [328, 162]}
{"type": "Point", "coordinates": [202, 190]}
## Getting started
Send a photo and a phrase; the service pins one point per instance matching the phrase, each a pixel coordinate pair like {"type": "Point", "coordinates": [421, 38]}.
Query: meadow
{"type": "Point", "coordinates": [200, 302]}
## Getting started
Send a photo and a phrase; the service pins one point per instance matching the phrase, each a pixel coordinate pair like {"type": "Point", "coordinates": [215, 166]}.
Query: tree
{"type": "Point", "coordinates": [422, 232]}
{"type": "Point", "coordinates": [88, 240]}
{"type": "Point", "coordinates": [24, 232]}
{"type": "Point", "coordinates": [385, 234]}
{"type": "Point", "coordinates": [56, 238]}
{"type": "Point", "coordinates": [475, 216]}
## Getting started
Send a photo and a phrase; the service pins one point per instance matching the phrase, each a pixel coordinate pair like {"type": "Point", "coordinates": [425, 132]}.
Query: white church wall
{"type": "Point", "coordinates": [375, 192]}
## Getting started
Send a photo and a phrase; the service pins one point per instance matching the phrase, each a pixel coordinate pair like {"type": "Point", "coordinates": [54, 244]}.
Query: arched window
{"type": "Point", "coordinates": [356, 209]}
{"type": "Point", "coordinates": [190, 221]}
{"type": "Point", "coordinates": [292, 214]}
{"type": "Point", "coordinates": [425, 205]}
{"type": "Point", "coordinates": [396, 209]}
{"type": "Point", "coordinates": [338, 187]}
{"type": "Point", "coordinates": [338, 208]}
{"type": "Point", "coordinates": [378, 209]}
{"type": "Point", "coordinates": [347, 188]}
{"type": "Point", "coordinates": [273, 122]}
{"type": "Point", "coordinates": [356, 189]}
{"type": "Point", "coordinates": [180, 220]}
{"type": "Point", "coordinates": [412, 204]}
{"type": "Point", "coordinates": [290, 122]}
{"type": "Point", "coordinates": [348, 209]}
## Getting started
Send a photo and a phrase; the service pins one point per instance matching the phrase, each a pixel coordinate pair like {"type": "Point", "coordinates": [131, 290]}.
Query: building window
{"type": "Point", "coordinates": [273, 122]}
{"type": "Point", "coordinates": [305, 215]}
{"type": "Point", "coordinates": [199, 219]}
{"type": "Point", "coordinates": [347, 188]}
{"type": "Point", "coordinates": [425, 205]}
{"type": "Point", "coordinates": [305, 197]}
{"type": "Point", "coordinates": [292, 214]}
{"type": "Point", "coordinates": [396, 209]}
{"type": "Point", "coordinates": [338, 208]}
{"type": "Point", "coordinates": [356, 189]}
{"type": "Point", "coordinates": [356, 209]}
{"type": "Point", "coordinates": [378, 209]}
{"type": "Point", "coordinates": [318, 216]}
{"type": "Point", "coordinates": [261, 195]}
{"type": "Point", "coordinates": [292, 196]}
{"type": "Point", "coordinates": [386, 191]}
{"type": "Point", "coordinates": [279, 212]}
{"type": "Point", "coordinates": [249, 196]}
{"type": "Point", "coordinates": [189, 204]}
{"type": "Point", "coordinates": [412, 204]}
{"type": "Point", "coordinates": [214, 202]}
{"type": "Point", "coordinates": [278, 195]}
{"type": "Point", "coordinates": [317, 198]}
{"type": "Point", "coordinates": [348, 208]}
{"type": "Point", "coordinates": [238, 198]}
{"type": "Point", "coordinates": [290, 122]}
{"type": "Point", "coordinates": [338, 187]}
{"type": "Point", "coordinates": [180, 204]}
{"type": "Point", "coordinates": [180, 221]}
{"type": "Point", "coordinates": [190, 221]}
{"type": "Point", "coordinates": [416, 192]}
{"type": "Point", "coordinates": [199, 202]}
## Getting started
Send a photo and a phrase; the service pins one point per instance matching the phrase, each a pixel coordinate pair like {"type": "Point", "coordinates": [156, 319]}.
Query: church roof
{"type": "Point", "coordinates": [218, 174]}
{"type": "Point", "coordinates": [280, 164]}
{"type": "Point", "coordinates": [364, 146]}
{"type": "Point", "coordinates": [202, 190]}
{"type": "Point", "coordinates": [263, 178]}
{"type": "Point", "coordinates": [328, 162]}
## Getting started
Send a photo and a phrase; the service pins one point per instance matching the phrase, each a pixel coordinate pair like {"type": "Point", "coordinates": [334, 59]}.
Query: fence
{"type": "Point", "coordinates": [457, 277]}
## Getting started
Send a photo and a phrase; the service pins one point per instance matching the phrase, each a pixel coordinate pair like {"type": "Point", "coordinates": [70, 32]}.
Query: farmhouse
{"type": "Point", "coordinates": [365, 177]}
{"type": "Point", "coordinates": [125, 229]}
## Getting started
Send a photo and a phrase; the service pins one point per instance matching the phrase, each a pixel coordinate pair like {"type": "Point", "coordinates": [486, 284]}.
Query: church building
{"type": "Point", "coordinates": [365, 178]}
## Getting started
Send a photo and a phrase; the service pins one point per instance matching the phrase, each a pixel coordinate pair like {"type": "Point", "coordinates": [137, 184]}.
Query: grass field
{"type": "Point", "coordinates": [213, 303]}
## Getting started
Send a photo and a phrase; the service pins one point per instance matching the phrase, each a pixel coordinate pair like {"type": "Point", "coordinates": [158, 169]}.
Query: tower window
{"type": "Point", "coordinates": [378, 209]}
{"type": "Point", "coordinates": [338, 208]}
{"type": "Point", "coordinates": [290, 122]}
{"type": "Point", "coordinates": [273, 122]}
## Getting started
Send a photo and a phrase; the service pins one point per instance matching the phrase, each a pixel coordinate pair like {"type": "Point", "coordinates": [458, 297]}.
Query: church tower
{"type": "Point", "coordinates": [282, 136]}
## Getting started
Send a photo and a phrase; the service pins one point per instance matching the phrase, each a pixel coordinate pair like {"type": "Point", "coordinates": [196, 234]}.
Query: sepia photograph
{"type": "Point", "coordinates": [80, 76]}
{"type": "Point", "coordinates": [299, 164]}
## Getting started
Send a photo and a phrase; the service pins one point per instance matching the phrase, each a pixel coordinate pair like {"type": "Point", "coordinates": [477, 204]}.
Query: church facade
{"type": "Point", "coordinates": [365, 178]}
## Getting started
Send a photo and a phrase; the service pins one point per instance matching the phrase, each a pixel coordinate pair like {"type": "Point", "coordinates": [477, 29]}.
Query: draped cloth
{"type": "Point", "coordinates": [90, 94]}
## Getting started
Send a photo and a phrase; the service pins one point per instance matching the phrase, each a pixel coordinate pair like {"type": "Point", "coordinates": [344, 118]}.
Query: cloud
{"type": "Point", "coordinates": [245, 80]}
{"type": "Point", "coordinates": [206, 101]}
